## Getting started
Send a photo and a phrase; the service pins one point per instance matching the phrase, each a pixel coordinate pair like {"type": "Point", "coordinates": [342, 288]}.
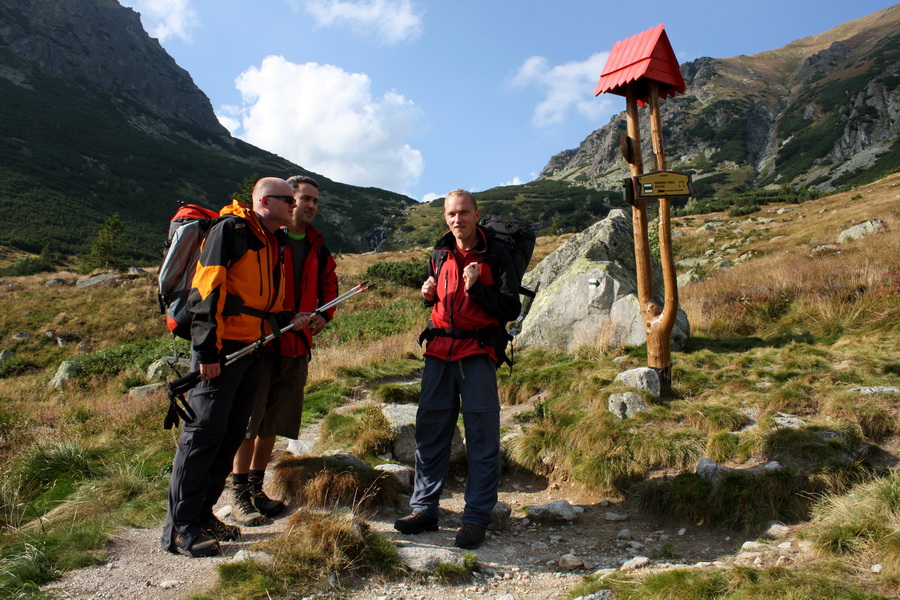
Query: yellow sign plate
{"type": "Point", "coordinates": [663, 184]}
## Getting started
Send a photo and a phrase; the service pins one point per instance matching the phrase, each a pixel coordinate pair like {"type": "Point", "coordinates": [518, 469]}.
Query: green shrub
{"type": "Point", "coordinates": [408, 274]}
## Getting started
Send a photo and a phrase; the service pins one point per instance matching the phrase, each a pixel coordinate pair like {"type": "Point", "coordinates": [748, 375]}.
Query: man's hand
{"type": "Point", "coordinates": [301, 320]}
{"type": "Point", "coordinates": [470, 274]}
{"type": "Point", "coordinates": [210, 371]}
{"type": "Point", "coordinates": [429, 288]}
{"type": "Point", "coordinates": [316, 323]}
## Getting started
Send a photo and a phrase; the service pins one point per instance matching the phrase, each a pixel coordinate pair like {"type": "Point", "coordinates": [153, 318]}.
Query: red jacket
{"type": "Point", "coordinates": [490, 303]}
{"type": "Point", "coordinates": [319, 285]}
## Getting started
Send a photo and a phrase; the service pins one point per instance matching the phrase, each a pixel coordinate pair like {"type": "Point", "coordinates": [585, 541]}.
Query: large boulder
{"type": "Point", "coordinates": [588, 292]}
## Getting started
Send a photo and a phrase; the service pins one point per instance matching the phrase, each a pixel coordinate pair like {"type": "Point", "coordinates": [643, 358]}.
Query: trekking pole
{"type": "Point", "coordinates": [262, 342]}
{"type": "Point", "coordinates": [178, 406]}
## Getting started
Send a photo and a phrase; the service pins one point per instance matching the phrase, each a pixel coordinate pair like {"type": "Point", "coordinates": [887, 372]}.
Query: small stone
{"type": "Point", "coordinates": [877, 568]}
{"type": "Point", "coordinates": [682, 531]}
{"type": "Point", "coordinates": [169, 584]}
{"type": "Point", "coordinates": [638, 562]}
{"type": "Point", "coordinates": [614, 516]}
{"type": "Point", "coordinates": [570, 562]}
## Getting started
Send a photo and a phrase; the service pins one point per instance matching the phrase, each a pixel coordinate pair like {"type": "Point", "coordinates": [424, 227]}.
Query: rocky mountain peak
{"type": "Point", "coordinates": [103, 46]}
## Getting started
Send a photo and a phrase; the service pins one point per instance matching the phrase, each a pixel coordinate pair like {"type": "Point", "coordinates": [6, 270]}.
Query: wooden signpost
{"type": "Point", "coordinates": [643, 68]}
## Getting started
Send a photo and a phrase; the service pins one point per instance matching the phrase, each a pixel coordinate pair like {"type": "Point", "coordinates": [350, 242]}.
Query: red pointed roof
{"type": "Point", "coordinates": [640, 59]}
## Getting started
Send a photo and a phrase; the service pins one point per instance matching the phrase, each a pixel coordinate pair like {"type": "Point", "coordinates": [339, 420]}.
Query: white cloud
{"type": "Point", "coordinates": [566, 88]}
{"type": "Point", "coordinates": [390, 21]}
{"type": "Point", "coordinates": [515, 181]}
{"type": "Point", "coordinates": [326, 120]}
{"type": "Point", "coordinates": [431, 196]}
{"type": "Point", "coordinates": [164, 19]}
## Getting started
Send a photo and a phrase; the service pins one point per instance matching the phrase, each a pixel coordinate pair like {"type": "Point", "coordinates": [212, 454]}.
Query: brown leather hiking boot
{"type": "Point", "coordinates": [470, 536]}
{"type": "Point", "coordinates": [265, 505]}
{"type": "Point", "coordinates": [201, 546]}
{"type": "Point", "coordinates": [243, 510]}
{"type": "Point", "coordinates": [215, 528]}
{"type": "Point", "coordinates": [416, 523]}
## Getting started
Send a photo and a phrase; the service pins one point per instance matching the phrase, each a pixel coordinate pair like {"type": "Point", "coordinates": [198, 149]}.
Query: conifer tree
{"type": "Point", "coordinates": [107, 250]}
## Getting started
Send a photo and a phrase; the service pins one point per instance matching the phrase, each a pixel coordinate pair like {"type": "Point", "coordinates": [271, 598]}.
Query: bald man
{"type": "Point", "coordinates": [236, 298]}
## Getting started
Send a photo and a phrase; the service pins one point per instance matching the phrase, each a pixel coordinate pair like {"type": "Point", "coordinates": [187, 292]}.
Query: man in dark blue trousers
{"type": "Point", "coordinates": [473, 291]}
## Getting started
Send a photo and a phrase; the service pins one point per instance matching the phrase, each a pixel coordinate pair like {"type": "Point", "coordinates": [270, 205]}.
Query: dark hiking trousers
{"type": "Point", "coordinates": [206, 447]}
{"type": "Point", "coordinates": [469, 384]}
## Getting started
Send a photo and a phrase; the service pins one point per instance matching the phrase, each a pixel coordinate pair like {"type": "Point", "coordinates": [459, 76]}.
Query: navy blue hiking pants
{"type": "Point", "coordinates": [469, 384]}
{"type": "Point", "coordinates": [206, 447]}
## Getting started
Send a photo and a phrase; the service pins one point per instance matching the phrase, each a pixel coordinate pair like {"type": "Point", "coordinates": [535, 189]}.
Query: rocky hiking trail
{"type": "Point", "coordinates": [525, 560]}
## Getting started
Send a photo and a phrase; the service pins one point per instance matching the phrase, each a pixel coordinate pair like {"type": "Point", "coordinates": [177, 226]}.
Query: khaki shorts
{"type": "Point", "coordinates": [278, 406]}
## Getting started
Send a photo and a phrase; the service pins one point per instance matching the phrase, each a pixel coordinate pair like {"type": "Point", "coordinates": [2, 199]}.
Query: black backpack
{"type": "Point", "coordinates": [519, 239]}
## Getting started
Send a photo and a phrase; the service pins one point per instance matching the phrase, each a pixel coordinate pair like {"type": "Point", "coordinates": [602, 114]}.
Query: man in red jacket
{"type": "Point", "coordinates": [310, 282]}
{"type": "Point", "coordinates": [473, 289]}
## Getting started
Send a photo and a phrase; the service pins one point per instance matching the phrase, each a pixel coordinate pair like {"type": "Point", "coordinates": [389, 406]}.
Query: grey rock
{"type": "Point", "coordinates": [300, 447]}
{"type": "Point", "coordinates": [168, 367]}
{"type": "Point", "coordinates": [861, 230]}
{"type": "Point", "coordinates": [21, 336]}
{"type": "Point", "coordinates": [403, 473]}
{"type": "Point", "coordinates": [570, 562]}
{"type": "Point", "coordinates": [5, 356]}
{"type": "Point", "coordinates": [710, 470]}
{"type": "Point", "coordinates": [626, 404]}
{"type": "Point", "coordinates": [419, 558]}
{"type": "Point", "coordinates": [146, 390]}
{"type": "Point", "coordinates": [568, 312]}
{"type": "Point", "coordinates": [255, 556]}
{"type": "Point", "coordinates": [560, 510]}
{"type": "Point", "coordinates": [68, 369]}
{"type": "Point", "coordinates": [99, 279]}
{"type": "Point", "coordinates": [776, 531]}
{"type": "Point", "coordinates": [642, 378]}
{"type": "Point", "coordinates": [782, 420]}
{"type": "Point", "coordinates": [638, 562]}
{"type": "Point", "coordinates": [56, 282]}
{"type": "Point", "coordinates": [500, 516]}
{"type": "Point", "coordinates": [877, 390]}
{"type": "Point", "coordinates": [136, 271]}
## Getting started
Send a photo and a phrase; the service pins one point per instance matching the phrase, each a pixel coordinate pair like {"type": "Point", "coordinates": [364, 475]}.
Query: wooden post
{"type": "Point", "coordinates": [660, 355]}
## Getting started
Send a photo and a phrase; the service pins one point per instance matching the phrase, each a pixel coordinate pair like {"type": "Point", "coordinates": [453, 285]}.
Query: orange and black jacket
{"type": "Point", "coordinates": [239, 268]}
{"type": "Point", "coordinates": [485, 307]}
{"type": "Point", "coordinates": [318, 285]}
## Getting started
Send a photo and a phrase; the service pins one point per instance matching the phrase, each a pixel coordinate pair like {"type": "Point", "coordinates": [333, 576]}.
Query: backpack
{"type": "Point", "coordinates": [187, 230]}
{"type": "Point", "coordinates": [518, 238]}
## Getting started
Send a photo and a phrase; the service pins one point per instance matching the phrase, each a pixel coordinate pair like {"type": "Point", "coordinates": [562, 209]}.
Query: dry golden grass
{"type": "Point", "coordinates": [354, 355]}
{"type": "Point", "coordinates": [838, 285]}
{"type": "Point", "coordinates": [322, 482]}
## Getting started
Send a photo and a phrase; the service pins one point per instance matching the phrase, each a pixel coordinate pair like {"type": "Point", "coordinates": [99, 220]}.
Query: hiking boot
{"type": "Point", "coordinates": [470, 536]}
{"type": "Point", "coordinates": [200, 546]}
{"type": "Point", "coordinates": [267, 506]}
{"type": "Point", "coordinates": [215, 528]}
{"type": "Point", "coordinates": [243, 510]}
{"type": "Point", "coordinates": [416, 523]}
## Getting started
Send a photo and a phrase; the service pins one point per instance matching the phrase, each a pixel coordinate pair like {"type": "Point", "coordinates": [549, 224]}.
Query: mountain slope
{"type": "Point", "coordinates": [96, 119]}
{"type": "Point", "coordinates": [823, 111]}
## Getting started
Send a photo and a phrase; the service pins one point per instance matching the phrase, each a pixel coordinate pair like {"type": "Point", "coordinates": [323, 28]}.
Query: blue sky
{"type": "Point", "coordinates": [423, 97]}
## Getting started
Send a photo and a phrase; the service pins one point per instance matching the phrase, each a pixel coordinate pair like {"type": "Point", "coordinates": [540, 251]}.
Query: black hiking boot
{"type": "Point", "coordinates": [416, 523]}
{"type": "Point", "coordinates": [243, 510]}
{"type": "Point", "coordinates": [200, 546]}
{"type": "Point", "coordinates": [265, 505]}
{"type": "Point", "coordinates": [215, 528]}
{"type": "Point", "coordinates": [470, 536]}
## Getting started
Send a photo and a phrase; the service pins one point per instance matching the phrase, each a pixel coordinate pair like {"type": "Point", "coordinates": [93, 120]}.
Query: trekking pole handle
{"type": "Point", "coordinates": [261, 342]}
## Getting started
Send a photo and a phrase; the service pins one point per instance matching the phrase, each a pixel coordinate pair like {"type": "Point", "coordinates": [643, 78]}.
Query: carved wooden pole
{"type": "Point", "coordinates": [660, 328]}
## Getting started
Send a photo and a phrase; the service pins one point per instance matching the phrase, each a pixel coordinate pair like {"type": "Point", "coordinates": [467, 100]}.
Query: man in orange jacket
{"type": "Point", "coordinates": [310, 282]}
{"type": "Point", "coordinates": [236, 293]}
